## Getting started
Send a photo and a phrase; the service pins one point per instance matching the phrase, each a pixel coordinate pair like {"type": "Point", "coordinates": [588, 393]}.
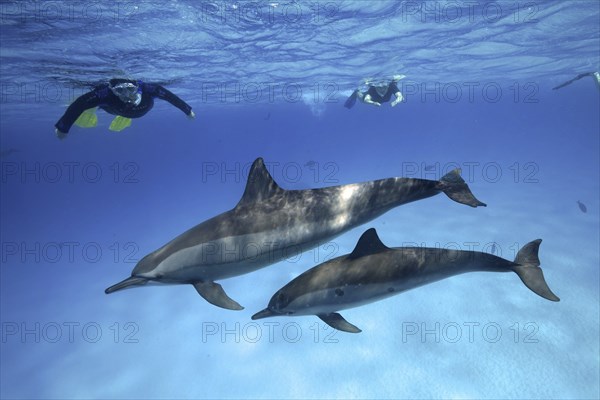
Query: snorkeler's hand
{"type": "Point", "coordinates": [191, 115]}
{"type": "Point", "coordinates": [59, 134]}
{"type": "Point", "coordinates": [399, 98]}
{"type": "Point", "coordinates": [367, 99]}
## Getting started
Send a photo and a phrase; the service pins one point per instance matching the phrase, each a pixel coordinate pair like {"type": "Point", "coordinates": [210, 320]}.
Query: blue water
{"type": "Point", "coordinates": [268, 79]}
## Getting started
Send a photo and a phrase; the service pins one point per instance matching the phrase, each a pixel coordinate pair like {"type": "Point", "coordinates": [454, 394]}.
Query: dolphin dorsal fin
{"type": "Point", "coordinates": [369, 243]}
{"type": "Point", "coordinates": [260, 185]}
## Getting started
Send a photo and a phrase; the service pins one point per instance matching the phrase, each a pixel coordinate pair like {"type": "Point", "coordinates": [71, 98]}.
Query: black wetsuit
{"type": "Point", "coordinates": [375, 96]}
{"type": "Point", "coordinates": [373, 91]}
{"type": "Point", "coordinates": [104, 98]}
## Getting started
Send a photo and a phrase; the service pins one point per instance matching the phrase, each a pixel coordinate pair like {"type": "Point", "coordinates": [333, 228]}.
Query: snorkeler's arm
{"type": "Point", "coordinates": [367, 99]}
{"type": "Point", "coordinates": [165, 94]}
{"type": "Point", "coordinates": [574, 79]}
{"type": "Point", "coordinates": [82, 103]}
{"type": "Point", "coordinates": [399, 98]}
{"type": "Point", "coordinates": [393, 87]}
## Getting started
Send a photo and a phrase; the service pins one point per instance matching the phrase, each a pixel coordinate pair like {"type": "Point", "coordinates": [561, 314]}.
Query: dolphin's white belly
{"type": "Point", "coordinates": [237, 255]}
{"type": "Point", "coordinates": [335, 299]}
{"type": "Point", "coordinates": [349, 296]}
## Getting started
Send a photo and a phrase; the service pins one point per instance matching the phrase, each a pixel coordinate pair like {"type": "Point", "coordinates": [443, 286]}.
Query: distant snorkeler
{"type": "Point", "coordinates": [594, 75]}
{"type": "Point", "coordinates": [377, 93]}
{"type": "Point", "coordinates": [125, 98]}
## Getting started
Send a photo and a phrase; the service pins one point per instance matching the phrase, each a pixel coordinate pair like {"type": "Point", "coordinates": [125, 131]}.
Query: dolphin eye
{"type": "Point", "coordinates": [282, 300]}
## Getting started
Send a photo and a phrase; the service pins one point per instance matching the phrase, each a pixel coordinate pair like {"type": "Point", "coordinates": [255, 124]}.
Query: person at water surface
{"type": "Point", "coordinates": [377, 93]}
{"type": "Point", "coordinates": [125, 98]}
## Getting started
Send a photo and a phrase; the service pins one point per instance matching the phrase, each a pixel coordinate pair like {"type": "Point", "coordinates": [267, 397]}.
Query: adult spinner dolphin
{"type": "Point", "coordinates": [270, 224]}
{"type": "Point", "coordinates": [374, 271]}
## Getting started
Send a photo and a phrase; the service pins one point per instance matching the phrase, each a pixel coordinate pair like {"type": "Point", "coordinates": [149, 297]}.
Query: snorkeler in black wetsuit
{"type": "Point", "coordinates": [594, 75]}
{"type": "Point", "coordinates": [377, 94]}
{"type": "Point", "coordinates": [122, 97]}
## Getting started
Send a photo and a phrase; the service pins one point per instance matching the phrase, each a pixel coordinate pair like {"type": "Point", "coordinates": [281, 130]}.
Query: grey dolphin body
{"type": "Point", "coordinates": [374, 271]}
{"type": "Point", "coordinates": [270, 223]}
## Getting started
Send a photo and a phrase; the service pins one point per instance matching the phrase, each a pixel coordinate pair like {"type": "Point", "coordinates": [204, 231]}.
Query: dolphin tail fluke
{"type": "Point", "coordinates": [338, 322]}
{"type": "Point", "coordinates": [214, 294]}
{"type": "Point", "coordinates": [528, 269]}
{"type": "Point", "coordinates": [127, 283]}
{"type": "Point", "coordinates": [457, 189]}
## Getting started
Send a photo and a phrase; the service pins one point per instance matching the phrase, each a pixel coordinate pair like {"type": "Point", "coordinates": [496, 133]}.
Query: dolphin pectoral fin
{"type": "Point", "coordinates": [214, 294]}
{"type": "Point", "coordinates": [457, 189]}
{"type": "Point", "coordinates": [126, 283]}
{"type": "Point", "coordinates": [338, 322]}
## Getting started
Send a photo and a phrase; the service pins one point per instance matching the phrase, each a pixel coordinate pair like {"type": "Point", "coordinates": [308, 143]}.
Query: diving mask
{"type": "Point", "coordinates": [127, 92]}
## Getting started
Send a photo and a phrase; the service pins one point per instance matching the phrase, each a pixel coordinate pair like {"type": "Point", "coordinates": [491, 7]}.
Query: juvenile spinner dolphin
{"type": "Point", "coordinates": [269, 223]}
{"type": "Point", "coordinates": [374, 271]}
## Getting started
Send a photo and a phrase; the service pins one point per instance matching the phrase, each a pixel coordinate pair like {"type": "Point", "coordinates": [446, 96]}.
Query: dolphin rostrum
{"type": "Point", "coordinates": [374, 271]}
{"type": "Point", "coordinates": [269, 223]}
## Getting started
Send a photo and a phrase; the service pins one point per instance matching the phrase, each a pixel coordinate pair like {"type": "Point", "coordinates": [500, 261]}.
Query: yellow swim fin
{"type": "Point", "coordinates": [119, 123]}
{"type": "Point", "coordinates": [88, 118]}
